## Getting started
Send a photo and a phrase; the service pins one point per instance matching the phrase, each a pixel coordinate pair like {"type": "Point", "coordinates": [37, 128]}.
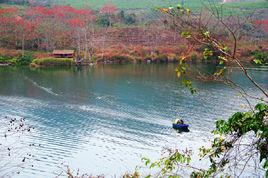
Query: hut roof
{"type": "Point", "coordinates": [60, 52]}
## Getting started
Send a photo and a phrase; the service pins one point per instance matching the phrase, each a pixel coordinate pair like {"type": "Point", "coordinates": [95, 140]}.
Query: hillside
{"type": "Point", "coordinates": [147, 4]}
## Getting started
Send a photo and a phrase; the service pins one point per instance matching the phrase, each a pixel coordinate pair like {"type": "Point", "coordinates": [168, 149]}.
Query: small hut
{"type": "Point", "coordinates": [63, 53]}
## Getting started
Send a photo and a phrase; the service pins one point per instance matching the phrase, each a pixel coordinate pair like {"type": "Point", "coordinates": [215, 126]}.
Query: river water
{"type": "Point", "coordinates": [103, 119]}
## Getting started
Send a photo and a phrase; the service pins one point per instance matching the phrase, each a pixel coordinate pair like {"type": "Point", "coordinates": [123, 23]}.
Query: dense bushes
{"type": "Point", "coordinates": [25, 59]}
{"type": "Point", "coordinates": [104, 21]}
{"type": "Point", "coordinates": [260, 57]}
{"type": "Point", "coordinates": [128, 19]}
{"type": "Point", "coordinates": [52, 62]}
{"type": "Point", "coordinates": [5, 59]}
{"type": "Point", "coordinates": [115, 59]}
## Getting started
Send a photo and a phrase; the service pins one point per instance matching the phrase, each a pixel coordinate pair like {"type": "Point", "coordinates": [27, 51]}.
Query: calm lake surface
{"type": "Point", "coordinates": [103, 119]}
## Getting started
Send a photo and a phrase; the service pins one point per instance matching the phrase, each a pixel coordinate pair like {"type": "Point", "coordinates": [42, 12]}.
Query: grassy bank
{"type": "Point", "coordinates": [46, 62]}
{"type": "Point", "coordinates": [21, 59]}
{"type": "Point", "coordinates": [119, 54]}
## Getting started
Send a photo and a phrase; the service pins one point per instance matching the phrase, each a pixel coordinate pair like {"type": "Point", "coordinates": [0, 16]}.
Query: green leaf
{"type": "Point", "coordinates": [223, 58]}
{"type": "Point", "coordinates": [219, 72]}
{"type": "Point", "coordinates": [179, 6]}
{"type": "Point", "coordinates": [221, 62]}
{"type": "Point", "coordinates": [206, 34]}
{"type": "Point", "coordinates": [257, 61]}
{"type": "Point", "coordinates": [261, 107]}
{"type": "Point", "coordinates": [152, 165]}
{"type": "Point", "coordinates": [207, 53]}
{"type": "Point", "coordinates": [188, 11]}
{"type": "Point", "coordinates": [188, 85]}
{"type": "Point", "coordinates": [225, 48]}
{"type": "Point", "coordinates": [146, 160]}
{"type": "Point", "coordinates": [188, 160]}
{"type": "Point", "coordinates": [178, 74]}
{"type": "Point", "coordinates": [186, 34]}
{"type": "Point", "coordinates": [183, 68]}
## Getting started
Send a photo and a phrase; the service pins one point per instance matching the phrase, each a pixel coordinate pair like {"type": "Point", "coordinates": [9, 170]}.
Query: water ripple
{"type": "Point", "coordinates": [103, 122]}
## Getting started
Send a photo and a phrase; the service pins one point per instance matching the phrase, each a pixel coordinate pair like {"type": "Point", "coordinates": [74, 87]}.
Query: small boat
{"type": "Point", "coordinates": [181, 127]}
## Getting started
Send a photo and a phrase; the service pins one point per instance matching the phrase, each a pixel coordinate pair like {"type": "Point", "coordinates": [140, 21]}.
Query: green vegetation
{"type": "Point", "coordinates": [52, 62]}
{"type": "Point", "coordinates": [121, 4]}
{"type": "Point", "coordinates": [24, 59]}
{"type": "Point", "coordinates": [260, 57]}
{"type": "Point", "coordinates": [128, 19]}
{"type": "Point", "coordinates": [248, 5]}
{"type": "Point", "coordinates": [104, 21]}
{"type": "Point", "coordinates": [148, 4]}
{"type": "Point", "coordinates": [243, 8]}
{"type": "Point", "coordinates": [6, 59]}
{"type": "Point", "coordinates": [115, 59]}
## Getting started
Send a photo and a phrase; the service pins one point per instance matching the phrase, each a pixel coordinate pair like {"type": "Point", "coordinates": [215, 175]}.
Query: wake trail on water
{"type": "Point", "coordinates": [47, 90]}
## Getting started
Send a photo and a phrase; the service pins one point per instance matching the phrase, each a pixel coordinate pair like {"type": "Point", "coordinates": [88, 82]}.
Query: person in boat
{"type": "Point", "coordinates": [178, 121]}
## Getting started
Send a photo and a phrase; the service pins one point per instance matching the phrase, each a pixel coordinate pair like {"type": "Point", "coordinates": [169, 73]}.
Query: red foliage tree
{"type": "Point", "coordinates": [76, 22]}
{"type": "Point", "coordinates": [50, 28]}
{"type": "Point", "coordinates": [263, 24]}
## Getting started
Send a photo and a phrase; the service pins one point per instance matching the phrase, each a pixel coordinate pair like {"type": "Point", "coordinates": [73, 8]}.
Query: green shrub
{"type": "Point", "coordinates": [13, 61]}
{"type": "Point", "coordinates": [8, 59]}
{"type": "Point", "coordinates": [53, 62]}
{"type": "Point", "coordinates": [128, 19]}
{"type": "Point", "coordinates": [94, 58]}
{"type": "Point", "coordinates": [115, 59]}
{"type": "Point", "coordinates": [4, 58]}
{"type": "Point", "coordinates": [260, 57]}
{"type": "Point", "coordinates": [25, 59]}
{"type": "Point", "coordinates": [121, 58]}
{"type": "Point", "coordinates": [104, 20]}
